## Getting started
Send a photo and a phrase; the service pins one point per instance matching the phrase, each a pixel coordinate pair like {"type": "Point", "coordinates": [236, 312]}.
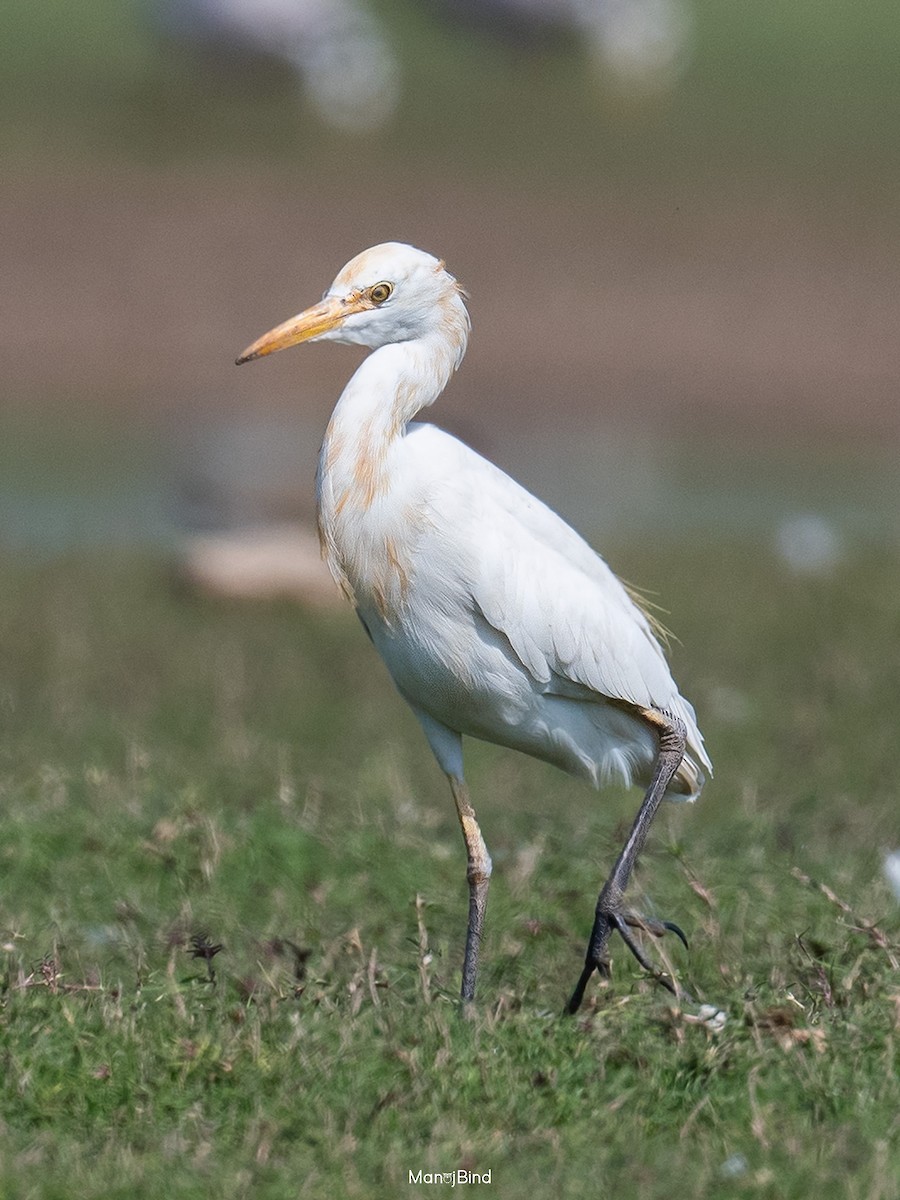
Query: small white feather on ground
{"type": "Point", "coordinates": [892, 871]}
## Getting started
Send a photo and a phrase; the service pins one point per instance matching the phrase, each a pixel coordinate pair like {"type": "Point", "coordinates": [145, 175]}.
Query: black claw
{"type": "Point", "coordinates": [645, 962]}
{"type": "Point", "coordinates": [678, 931]}
{"type": "Point", "coordinates": [623, 922]}
{"type": "Point", "coordinates": [651, 925]}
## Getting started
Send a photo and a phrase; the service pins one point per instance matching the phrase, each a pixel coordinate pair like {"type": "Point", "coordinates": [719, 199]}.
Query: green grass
{"type": "Point", "coordinates": [171, 767]}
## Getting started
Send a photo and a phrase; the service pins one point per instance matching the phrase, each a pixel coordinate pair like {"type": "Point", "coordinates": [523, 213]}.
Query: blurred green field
{"type": "Point", "coordinates": [172, 768]}
{"type": "Point", "coordinates": [806, 89]}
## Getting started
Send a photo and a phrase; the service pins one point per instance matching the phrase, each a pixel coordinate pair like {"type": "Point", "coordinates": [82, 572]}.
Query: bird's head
{"type": "Point", "coordinates": [389, 293]}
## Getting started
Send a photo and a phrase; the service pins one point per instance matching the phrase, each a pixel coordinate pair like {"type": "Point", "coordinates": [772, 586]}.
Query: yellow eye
{"type": "Point", "coordinates": [380, 292]}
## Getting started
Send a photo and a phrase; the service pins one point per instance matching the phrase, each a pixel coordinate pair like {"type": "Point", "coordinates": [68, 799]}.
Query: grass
{"type": "Point", "coordinates": [174, 769]}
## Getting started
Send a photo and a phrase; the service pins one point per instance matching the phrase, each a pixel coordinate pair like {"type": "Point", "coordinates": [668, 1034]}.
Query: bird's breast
{"type": "Point", "coordinates": [378, 512]}
{"type": "Point", "coordinates": [369, 535]}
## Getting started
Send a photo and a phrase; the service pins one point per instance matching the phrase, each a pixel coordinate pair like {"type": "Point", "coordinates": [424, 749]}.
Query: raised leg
{"type": "Point", "coordinates": [610, 913]}
{"type": "Point", "coordinates": [478, 873]}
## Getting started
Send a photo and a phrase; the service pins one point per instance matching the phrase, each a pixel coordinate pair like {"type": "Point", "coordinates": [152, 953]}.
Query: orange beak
{"type": "Point", "coordinates": [312, 322]}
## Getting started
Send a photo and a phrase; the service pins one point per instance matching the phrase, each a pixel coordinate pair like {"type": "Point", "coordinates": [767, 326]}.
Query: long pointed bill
{"type": "Point", "coordinates": [312, 322]}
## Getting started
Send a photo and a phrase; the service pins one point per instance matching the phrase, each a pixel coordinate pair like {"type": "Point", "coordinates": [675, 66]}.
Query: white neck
{"type": "Point", "coordinates": [393, 384]}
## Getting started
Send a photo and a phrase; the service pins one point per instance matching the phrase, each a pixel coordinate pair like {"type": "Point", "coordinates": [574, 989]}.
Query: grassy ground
{"type": "Point", "coordinates": [173, 769]}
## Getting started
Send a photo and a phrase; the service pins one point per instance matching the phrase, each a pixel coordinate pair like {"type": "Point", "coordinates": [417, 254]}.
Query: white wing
{"type": "Point", "coordinates": [566, 616]}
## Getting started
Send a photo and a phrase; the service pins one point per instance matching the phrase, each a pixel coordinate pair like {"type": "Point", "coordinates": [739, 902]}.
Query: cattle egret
{"type": "Point", "coordinates": [495, 619]}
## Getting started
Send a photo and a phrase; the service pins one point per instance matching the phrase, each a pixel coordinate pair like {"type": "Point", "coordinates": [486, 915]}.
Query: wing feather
{"type": "Point", "coordinates": [570, 622]}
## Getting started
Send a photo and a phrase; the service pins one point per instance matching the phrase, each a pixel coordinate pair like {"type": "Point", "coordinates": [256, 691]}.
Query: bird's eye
{"type": "Point", "coordinates": [380, 292]}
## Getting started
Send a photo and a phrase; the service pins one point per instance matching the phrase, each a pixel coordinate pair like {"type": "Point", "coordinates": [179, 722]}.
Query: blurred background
{"type": "Point", "coordinates": [677, 221]}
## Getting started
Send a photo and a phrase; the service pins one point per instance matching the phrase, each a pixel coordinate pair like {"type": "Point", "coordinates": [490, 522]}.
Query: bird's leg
{"type": "Point", "coordinates": [609, 914]}
{"type": "Point", "coordinates": [478, 874]}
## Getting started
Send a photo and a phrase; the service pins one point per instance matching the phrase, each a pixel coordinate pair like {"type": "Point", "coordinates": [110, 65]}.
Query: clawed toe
{"type": "Point", "coordinates": [678, 931]}
{"type": "Point", "coordinates": [623, 923]}
{"type": "Point", "coordinates": [650, 925]}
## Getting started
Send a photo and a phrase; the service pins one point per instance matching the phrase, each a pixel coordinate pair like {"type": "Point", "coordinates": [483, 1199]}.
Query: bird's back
{"type": "Point", "coordinates": [498, 620]}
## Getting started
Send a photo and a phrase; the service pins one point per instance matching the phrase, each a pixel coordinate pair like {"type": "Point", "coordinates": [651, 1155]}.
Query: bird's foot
{"type": "Point", "coordinates": [650, 925]}
{"type": "Point", "coordinates": [597, 957]}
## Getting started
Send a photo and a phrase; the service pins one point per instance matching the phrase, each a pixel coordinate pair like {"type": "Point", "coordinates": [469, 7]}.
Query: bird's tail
{"type": "Point", "coordinates": [694, 767]}
{"type": "Point", "coordinates": [688, 781]}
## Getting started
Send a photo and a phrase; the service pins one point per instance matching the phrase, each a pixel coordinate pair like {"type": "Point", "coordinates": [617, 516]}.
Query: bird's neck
{"type": "Point", "coordinates": [393, 384]}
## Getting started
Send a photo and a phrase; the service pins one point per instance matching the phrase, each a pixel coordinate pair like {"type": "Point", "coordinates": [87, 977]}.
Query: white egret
{"type": "Point", "coordinates": [495, 619]}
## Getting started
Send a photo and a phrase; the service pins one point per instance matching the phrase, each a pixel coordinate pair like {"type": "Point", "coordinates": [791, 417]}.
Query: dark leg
{"type": "Point", "coordinates": [478, 874]}
{"type": "Point", "coordinates": [610, 914]}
